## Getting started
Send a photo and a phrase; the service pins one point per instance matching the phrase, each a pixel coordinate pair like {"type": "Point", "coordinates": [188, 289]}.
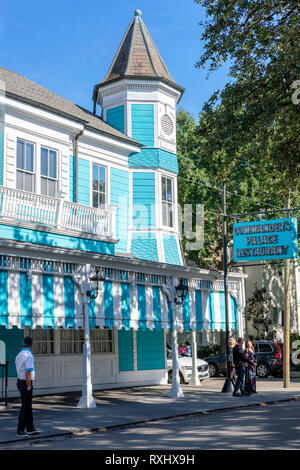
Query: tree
{"type": "Point", "coordinates": [248, 133]}
{"type": "Point", "coordinates": [252, 181]}
{"type": "Point", "coordinates": [193, 188]}
{"type": "Point", "coordinates": [261, 39]}
{"type": "Point", "coordinates": [257, 311]}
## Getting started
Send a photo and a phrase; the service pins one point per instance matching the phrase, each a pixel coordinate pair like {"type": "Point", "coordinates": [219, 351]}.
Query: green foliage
{"type": "Point", "coordinates": [192, 182]}
{"type": "Point", "coordinates": [210, 350]}
{"type": "Point", "coordinates": [260, 39]}
{"type": "Point", "coordinates": [248, 133]}
{"type": "Point", "coordinates": [257, 311]}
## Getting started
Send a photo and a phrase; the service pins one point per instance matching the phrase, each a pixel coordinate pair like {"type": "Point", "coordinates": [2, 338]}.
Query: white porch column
{"type": "Point", "coordinates": [175, 390]}
{"type": "Point", "coordinates": [195, 376]}
{"type": "Point", "coordinates": [81, 278]}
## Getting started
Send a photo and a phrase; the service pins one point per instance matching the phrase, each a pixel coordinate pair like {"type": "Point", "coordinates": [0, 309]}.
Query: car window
{"type": "Point", "coordinates": [265, 347]}
{"type": "Point", "coordinates": [256, 347]}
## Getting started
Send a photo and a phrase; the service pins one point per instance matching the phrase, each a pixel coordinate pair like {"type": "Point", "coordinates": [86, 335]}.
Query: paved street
{"type": "Point", "coordinates": [144, 417]}
{"type": "Point", "coordinates": [265, 427]}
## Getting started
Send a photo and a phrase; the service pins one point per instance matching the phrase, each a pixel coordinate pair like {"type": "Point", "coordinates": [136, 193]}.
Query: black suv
{"type": "Point", "coordinates": [268, 358]}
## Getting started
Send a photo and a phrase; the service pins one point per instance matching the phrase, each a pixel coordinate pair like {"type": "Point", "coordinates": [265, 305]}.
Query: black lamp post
{"type": "Point", "coordinates": [227, 387]}
{"type": "Point", "coordinates": [96, 284]}
{"type": "Point", "coordinates": [181, 292]}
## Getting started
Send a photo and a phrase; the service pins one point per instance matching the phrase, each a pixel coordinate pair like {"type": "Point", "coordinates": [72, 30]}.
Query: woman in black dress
{"type": "Point", "coordinates": [250, 377]}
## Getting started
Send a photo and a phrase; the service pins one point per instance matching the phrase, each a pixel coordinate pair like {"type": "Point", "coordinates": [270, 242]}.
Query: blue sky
{"type": "Point", "coordinates": [67, 46]}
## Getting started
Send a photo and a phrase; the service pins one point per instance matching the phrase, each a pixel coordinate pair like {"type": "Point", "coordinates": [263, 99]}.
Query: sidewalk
{"type": "Point", "coordinates": [58, 415]}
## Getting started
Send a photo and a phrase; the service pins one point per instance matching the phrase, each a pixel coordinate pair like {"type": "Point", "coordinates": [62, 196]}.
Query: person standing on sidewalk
{"type": "Point", "coordinates": [26, 375]}
{"type": "Point", "coordinates": [240, 362]}
{"type": "Point", "coordinates": [188, 349]}
{"type": "Point", "coordinates": [232, 343]}
{"type": "Point", "coordinates": [250, 375]}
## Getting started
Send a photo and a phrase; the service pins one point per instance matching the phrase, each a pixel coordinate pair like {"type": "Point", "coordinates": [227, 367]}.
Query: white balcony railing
{"type": "Point", "coordinates": [88, 219]}
{"type": "Point", "coordinates": [35, 208]}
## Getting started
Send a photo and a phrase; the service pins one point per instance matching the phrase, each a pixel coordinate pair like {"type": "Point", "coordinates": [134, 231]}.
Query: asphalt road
{"type": "Point", "coordinates": [261, 428]}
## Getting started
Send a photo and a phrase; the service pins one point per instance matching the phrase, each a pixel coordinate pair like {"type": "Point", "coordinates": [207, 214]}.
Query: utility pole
{"type": "Point", "coordinates": [227, 385]}
{"type": "Point", "coordinates": [286, 334]}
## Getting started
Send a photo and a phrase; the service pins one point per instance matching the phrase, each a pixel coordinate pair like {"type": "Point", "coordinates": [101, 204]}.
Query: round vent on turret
{"type": "Point", "coordinates": [167, 124]}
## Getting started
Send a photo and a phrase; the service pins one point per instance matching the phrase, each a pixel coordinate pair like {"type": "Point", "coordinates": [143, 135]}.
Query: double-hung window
{"type": "Point", "coordinates": [167, 197]}
{"type": "Point", "coordinates": [48, 172]}
{"type": "Point", "coordinates": [99, 185]}
{"type": "Point", "coordinates": [25, 166]}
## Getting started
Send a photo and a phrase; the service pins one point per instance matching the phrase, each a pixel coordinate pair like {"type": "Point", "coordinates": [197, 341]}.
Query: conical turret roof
{"type": "Point", "coordinates": [138, 57]}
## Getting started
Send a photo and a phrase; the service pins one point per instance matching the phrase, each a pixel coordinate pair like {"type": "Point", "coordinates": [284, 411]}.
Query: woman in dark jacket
{"type": "Point", "coordinates": [250, 376]}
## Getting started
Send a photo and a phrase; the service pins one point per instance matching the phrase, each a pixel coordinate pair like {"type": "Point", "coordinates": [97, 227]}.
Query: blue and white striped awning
{"type": "Point", "coordinates": [51, 300]}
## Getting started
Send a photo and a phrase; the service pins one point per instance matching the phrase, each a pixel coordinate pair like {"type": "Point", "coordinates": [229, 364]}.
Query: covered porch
{"type": "Point", "coordinates": [132, 312]}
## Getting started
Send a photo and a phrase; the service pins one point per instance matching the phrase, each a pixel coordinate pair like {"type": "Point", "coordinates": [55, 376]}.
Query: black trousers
{"type": "Point", "coordinates": [25, 415]}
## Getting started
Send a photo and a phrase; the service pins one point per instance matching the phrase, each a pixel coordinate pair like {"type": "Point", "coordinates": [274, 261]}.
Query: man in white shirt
{"type": "Point", "coordinates": [26, 375]}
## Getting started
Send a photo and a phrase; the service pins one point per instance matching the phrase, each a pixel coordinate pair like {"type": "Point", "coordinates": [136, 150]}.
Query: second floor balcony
{"type": "Point", "coordinates": [26, 207]}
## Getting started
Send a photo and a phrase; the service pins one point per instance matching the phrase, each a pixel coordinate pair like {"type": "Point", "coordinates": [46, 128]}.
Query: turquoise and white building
{"type": "Point", "coordinates": [82, 189]}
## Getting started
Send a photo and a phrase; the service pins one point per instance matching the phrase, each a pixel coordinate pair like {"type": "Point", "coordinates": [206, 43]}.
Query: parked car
{"type": "Point", "coordinates": [216, 365]}
{"type": "Point", "coordinates": [268, 357]}
{"type": "Point", "coordinates": [185, 368]}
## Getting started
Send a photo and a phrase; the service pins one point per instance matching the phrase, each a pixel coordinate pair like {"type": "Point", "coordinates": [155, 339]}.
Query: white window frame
{"type": "Point", "coordinates": [172, 204]}
{"type": "Point", "coordinates": [52, 345]}
{"type": "Point", "coordinates": [107, 174]}
{"type": "Point", "coordinates": [33, 173]}
{"type": "Point", "coordinates": [39, 342]}
{"type": "Point", "coordinates": [96, 338]}
{"type": "Point", "coordinates": [75, 341]}
{"type": "Point", "coordinates": [96, 335]}
{"type": "Point", "coordinates": [48, 177]}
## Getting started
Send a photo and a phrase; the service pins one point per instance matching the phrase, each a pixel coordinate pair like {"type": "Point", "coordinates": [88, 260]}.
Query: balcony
{"type": "Point", "coordinates": [33, 208]}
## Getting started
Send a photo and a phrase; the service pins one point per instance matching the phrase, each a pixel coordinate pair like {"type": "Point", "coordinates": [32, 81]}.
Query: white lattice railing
{"type": "Point", "coordinates": [35, 208]}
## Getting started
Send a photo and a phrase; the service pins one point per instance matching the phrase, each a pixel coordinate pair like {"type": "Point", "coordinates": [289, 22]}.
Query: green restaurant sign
{"type": "Point", "coordinates": [265, 240]}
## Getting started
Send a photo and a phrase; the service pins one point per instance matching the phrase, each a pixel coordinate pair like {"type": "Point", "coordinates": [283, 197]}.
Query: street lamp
{"type": "Point", "coordinates": [90, 283]}
{"type": "Point", "coordinates": [96, 285]}
{"type": "Point", "coordinates": [175, 294]}
{"type": "Point", "coordinates": [181, 292]}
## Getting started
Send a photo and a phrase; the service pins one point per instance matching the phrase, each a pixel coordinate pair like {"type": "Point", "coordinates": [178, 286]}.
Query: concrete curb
{"type": "Point", "coordinates": [87, 431]}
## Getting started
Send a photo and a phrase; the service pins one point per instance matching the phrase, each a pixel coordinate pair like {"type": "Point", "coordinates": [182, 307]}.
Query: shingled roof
{"type": "Point", "coordinates": [137, 57]}
{"type": "Point", "coordinates": [25, 90]}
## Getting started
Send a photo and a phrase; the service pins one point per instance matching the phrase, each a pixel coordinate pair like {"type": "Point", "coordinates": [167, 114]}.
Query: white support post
{"type": "Point", "coordinates": [175, 390]}
{"type": "Point", "coordinates": [60, 208]}
{"type": "Point", "coordinates": [81, 278]}
{"type": "Point", "coordinates": [87, 399]}
{"type": "Point", "coordinates": [195, 376]}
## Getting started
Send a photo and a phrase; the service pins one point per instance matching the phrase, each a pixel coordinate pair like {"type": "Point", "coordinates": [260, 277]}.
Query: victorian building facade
{"type": "Point", "coordinates": [80, 190]}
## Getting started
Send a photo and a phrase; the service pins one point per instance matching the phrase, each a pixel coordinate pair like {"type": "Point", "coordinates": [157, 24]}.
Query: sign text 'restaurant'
{"type": "Point", "coordinates": [263, 240]}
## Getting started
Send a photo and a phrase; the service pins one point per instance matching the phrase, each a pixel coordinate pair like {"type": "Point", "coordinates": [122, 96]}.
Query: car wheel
{"type": "Point", "coordinates": [170, 377]}
{"type": "Point", "coordinates": [262, 370]}
{"type": "Point", "coordinates": [213, 369]}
